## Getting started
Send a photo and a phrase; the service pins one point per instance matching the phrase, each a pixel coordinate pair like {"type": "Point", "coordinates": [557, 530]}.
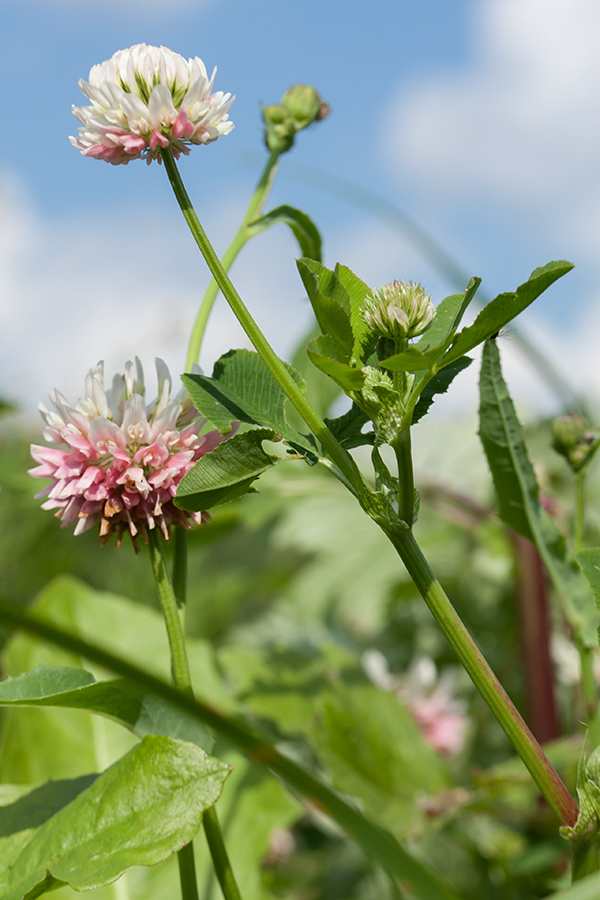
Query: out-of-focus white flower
{"type": "Point", "coordinates": [429, 697]}
{"type": "Point", "coordinates": [398, 310]}
{"type": "Point", "coordinates": [145, 99]}
{"type": "Point", "coordinates": [123, 460]}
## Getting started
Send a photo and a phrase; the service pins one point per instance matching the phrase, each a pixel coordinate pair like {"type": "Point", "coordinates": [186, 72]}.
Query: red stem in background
{"type": "Point", "coordinates": [532, 593]}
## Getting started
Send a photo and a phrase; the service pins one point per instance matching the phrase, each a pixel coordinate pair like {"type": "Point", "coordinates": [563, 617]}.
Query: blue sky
{"type": "Point", "coordinates": [477, 118]}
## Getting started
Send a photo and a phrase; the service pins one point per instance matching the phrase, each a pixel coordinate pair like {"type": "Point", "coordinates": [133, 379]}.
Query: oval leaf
{"type": "Point", "coordinates": [138, 812]}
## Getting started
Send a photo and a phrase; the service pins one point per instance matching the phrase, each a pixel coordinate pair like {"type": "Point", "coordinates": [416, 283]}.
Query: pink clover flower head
{"type": "Point", "coordinates": [116, 460]}
{"type": "Point", "coordinates": [430, 698]}
{"type": "Point", "coordinates": [145, 99]}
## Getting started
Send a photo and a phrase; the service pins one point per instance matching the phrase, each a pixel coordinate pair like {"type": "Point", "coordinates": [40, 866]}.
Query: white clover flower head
{"type": "Point", "coordinates": [401, 309]}
{"type": "Point", "coordinates": [118, 462]}
{"type": "Point", "coordinates": [145, 99]}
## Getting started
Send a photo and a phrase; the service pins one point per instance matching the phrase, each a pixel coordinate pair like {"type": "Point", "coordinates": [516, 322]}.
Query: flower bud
{"type": "Point", "coordinates": [573, 440]}
{"type": "Point", "coordinates": [300, 106]}
{"type": "Point", "coordinates": [399, 311]}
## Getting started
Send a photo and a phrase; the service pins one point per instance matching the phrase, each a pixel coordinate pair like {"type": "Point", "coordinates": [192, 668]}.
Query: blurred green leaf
{"type": "Point", "coordinates": [124, 701]}
{"type": "Point", "coordinates": [504, 308]}
{"type": "Point", "coordinates": [518, 496]}
{"type": "Point", "coordinates": [302, 226]}
{"type": "Point", "coordinates": [141, 810]}
{"type": "Point", "coordinates": [375, 751]}
{"type": "Point", "coordinates": [586, 889]}
{"type": "Point", "coordinates": [227, 472]}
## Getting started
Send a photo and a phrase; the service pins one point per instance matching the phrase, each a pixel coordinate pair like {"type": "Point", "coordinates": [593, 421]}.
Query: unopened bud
{"type": "Point", "coordinates": [573, 440]}
{"type": "Point", "coordinates": [300, 106]}
{"type": "Point", "coordinates": [400, 310]}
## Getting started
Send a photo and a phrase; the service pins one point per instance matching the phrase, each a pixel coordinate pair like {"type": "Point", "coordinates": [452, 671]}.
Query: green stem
{"type": "Point", "coordinates": [544, 775]}
{"type": "Point", "coordinates": [315, 423]}
{"type": "Point", "coordinates": [261, 193]}
{"type": "Point", "coordinates": [376, 842]}
{"type": "Point", "coordinates": [183, 682]}
{"type": "Point", "coordinates": [586, 654]}
{"type": "Point", "coordinates": [406, 485]}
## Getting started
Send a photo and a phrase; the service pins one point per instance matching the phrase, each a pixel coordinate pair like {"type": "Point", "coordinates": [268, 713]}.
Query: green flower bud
{"type": "Point", "coordinates": [574, 441]}
{"type": "Point", "coordinates": [300, 106]}
{"type": "Point", "coordinates": [398, 311]}
{"type": "Point", "coordinates": [303, 104]}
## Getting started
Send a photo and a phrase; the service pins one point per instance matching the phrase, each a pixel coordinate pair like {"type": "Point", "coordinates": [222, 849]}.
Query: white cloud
{"type": "Point", "coordinates": [73, 292]}
{"type": "Point", "coordinates": [519, 124]}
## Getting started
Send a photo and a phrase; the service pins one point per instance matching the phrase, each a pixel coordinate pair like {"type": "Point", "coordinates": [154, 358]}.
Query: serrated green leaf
{"type": "Point", "coordinates": [439, 384]}
{"type": "Point", "coordinates": [504, 308]}
{"type": "Point", "coordinates": [243, 388]}
{"type": "Point", "coordinates": [226, 472]}
{"type": "Point", "coordinates": [302, 226]}
{"type": "Point", "coordinates": [331, 305]}
{"type": "Point", "coordinates": [517, 492]}
{"type": "Point", "coordinates": [323, 354]}
{"type": "Point", "coordinates": [357, 290]}
{"type": "Point", "coordinates": [348, 428]}
{"type": "Point", "coordinates": [448, 316]}
{"type": "Point", "coordinates": [124, 701]}
{"type": "Point", "coordinates": [139, 812]}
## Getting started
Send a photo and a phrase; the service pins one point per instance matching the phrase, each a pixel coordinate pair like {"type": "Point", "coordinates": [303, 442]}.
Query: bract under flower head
{"type": "Point", "coordinates": [145, 99]}
{"type": "Point", "coordinates": [123, 460]}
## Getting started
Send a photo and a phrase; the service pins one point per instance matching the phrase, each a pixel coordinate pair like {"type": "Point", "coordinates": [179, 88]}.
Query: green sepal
{"type": "Point", "coordinates": [304, 229]}
{"type": "Point", "coordinates": [227, 472]}
{"type": "Point", "coordinates": [504, 308]}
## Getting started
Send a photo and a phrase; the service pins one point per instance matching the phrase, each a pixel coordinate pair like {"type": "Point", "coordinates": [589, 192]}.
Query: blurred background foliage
{"type": "Point", "coordinates": [291, 590]}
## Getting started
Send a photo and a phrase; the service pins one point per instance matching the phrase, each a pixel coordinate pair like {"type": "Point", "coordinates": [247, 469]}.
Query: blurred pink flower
{"type": "Point", "coordinates": [430, 698]}
{"type": "Point", "coordinates": [123, 460]}
{"type": "Point", "coordinates": [146, 98]}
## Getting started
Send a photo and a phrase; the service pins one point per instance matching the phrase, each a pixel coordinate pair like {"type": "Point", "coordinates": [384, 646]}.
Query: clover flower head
{"type": "Point", "coordinates": [145, 99]}
{"type": "Point", "coordinates": [118, 461]}
{"type": "Point", "coordinates": [398, 310]}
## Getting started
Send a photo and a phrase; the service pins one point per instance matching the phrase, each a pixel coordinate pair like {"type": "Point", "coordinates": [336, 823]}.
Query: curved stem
{"type": "Point", "coordinates": [261, 193]}
{"type": "Point", "coordinates": [375, 841]}
{"type": "Point", "coordinates": [183, 682]}
{"type": "Point", "coordinates": [315, 423]}
{"type": "Point", "coordinates": [486, 682]}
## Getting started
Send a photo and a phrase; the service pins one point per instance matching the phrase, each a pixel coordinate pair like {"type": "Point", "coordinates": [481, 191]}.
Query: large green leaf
{"type": "Point", "coordinates": [331, 305]}
{"type": "Point", "coordinates": [227, 472]}
{"type": "Point", "coordinates": [242, 388]}
{"type": "Point", "coordinates": [73, 688]}
{"type": "Point", "coordinates": [448, 316]}
{"type": "Point", "coordinates": [303, 228]}
{"type": "Point", "coordinates": [413, 360]}
{"type": "Point", "coordinates": [518, 500]}
{"type": "Point", "coordinates": [504, 308]}
{"type": "Point", "coordinates": [140, 811]}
